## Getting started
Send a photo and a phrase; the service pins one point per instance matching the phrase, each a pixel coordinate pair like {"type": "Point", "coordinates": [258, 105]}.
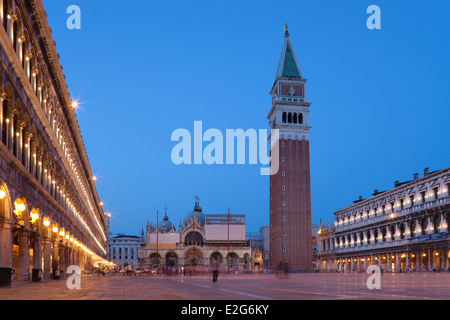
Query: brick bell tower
{"type": "Point", "coordinates": [290, 191]}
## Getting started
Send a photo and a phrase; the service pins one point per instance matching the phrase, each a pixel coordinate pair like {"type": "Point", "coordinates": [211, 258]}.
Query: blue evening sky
{"type": "Point", "coordinates": [142, 69]}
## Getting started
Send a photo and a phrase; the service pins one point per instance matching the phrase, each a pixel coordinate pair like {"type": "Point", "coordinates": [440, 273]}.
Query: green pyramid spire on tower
{"type": "Point", "coordinates": [288, 66]}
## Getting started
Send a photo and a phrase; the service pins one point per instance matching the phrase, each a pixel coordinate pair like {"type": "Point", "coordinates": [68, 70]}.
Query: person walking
{"type": "Point", "coordinates": [215, 270]}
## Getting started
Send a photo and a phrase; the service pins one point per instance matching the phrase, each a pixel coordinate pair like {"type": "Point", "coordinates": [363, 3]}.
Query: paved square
{"type": "Point", "coordinates": [330, 286]}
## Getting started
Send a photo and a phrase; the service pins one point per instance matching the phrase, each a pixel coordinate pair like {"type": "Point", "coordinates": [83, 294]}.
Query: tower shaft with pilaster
{"type": "Point", "coordinates": [290, 190]}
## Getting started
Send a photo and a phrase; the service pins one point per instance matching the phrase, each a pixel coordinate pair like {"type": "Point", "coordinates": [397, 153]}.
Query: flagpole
{"type": "Point", "coordinates": [228, 240]}
{"type": "Point", "coordinates": [193, 237]}
{"type": "Point", "coordinates": [157, 230]}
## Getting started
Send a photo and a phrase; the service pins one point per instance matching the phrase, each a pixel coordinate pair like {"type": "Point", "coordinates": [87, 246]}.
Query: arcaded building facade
{"type": "Point", "coordinates": [402, 229]}
{"type": "Point", "coordinates": [290, 187]}
{"type": "Point", "coordinates": [50, 214]}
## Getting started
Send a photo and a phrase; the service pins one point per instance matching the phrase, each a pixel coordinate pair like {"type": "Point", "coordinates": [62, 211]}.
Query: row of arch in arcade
{"type": "Point", "coordinates": [411, 261]}
{"type": "Point", "coordinates": [20, 130]}
{"type": "Point", "coordinates": [194, 257]}
{"type": "Point", "coordinates": [39, 245]}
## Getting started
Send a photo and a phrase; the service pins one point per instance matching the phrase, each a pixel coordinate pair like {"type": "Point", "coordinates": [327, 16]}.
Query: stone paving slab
{"type": "Point", "coordinates": [330, 286]}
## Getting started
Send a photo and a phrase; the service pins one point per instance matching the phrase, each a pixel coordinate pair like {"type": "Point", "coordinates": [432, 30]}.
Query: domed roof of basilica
{"type": "Point", "coordinates": [199, 216]}
{"type": "Point", "coordinates": [165, 225]}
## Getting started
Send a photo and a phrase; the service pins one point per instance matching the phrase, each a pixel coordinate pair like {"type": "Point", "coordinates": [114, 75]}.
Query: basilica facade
{"type": "Point", "coordinates": [197, 241]}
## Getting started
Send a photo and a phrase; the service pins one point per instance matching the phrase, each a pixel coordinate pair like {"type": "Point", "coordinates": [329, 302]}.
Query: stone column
{"type": "Point", "coordinates": [10, 127]}
{"type": "Point", "coordinates": [429, 225]}
{"type": "Point", "coordinates": [444, 227]}
{"type": "Point", "coordinates": [47, 258]}
{"type": "Point", "coordinates": [429, 259]}
{"type": "Point", "coordinates": [2, 99]}
{"type": "Point", "coordinates": [10, 26]}
{"type": "Point", "coordinates": [72, 262]}
{"type": "Point", "coordinates": [34, 74]}
{"type": "Point", "coordinates": [55, 256]}
{"type": "Point", "coordinates": [26, 156]}
{"type": "Point", "coordinates": [1, 10]}
{"type": "Point", "coordinates": [388, 261]}
{"type": "Point", "coordinates": [407, 261]}
{"type": "Point", "coordinates": [28, 56]}
{"type": "Point", "coordinates": [420, 264]}
{"type": "Point", "coordinates": [62, 259]}
{"type": "Point", "coordinates": [446, 265]}
{"type": "Point", "coordinates": [67, 252]}
{"type": "Point", "coordinates": [37, 255]}
{"type": "Point", "coordinates": [5, 253]}
{"type": "Point", "coordinates": [417, 255]}
{"type": "Point", "coordinates": [24, 266]}
{"type": "Point", "coordinates": [44, 176]}
{"type": "Point", "coordinates": [20, 41]}
{"type": "Point", "coordinates": [407, 230]}
{"type": "Point", "coordinates": [39, 166]}
{"type": "Point", "coordinates": [33, 161]}
{"type": "Point", "coordinates": [19, 141]}
{"type": "Point", "coordinates": [417, 231]}
{"type": "Point", "coordinates": [397, 233]}
{"type": "Point", "coordinates": [397, 262]}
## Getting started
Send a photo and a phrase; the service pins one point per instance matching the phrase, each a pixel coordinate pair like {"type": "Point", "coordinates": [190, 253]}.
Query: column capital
{"type": "Point", "coordinates": [21, 37]}
{"type": "Point", "coordinates": [12, 16]}
{"type": "Point", "coordinates": [3, 95]}
{"type": "Point", "coordinates": [27, 134]}
{"type": "Point", "coordinates": [28, 54]}
{"type": "Point", "coordinates": [6, 223]}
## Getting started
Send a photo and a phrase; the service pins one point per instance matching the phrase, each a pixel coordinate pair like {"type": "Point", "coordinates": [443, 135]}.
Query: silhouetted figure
{"type": "Point", "coordinates": [215, 270]}
{"type": "Point", "coordinates": [280, 270]}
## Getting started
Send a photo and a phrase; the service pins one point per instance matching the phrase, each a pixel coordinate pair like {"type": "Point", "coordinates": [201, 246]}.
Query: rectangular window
{"type": "Point", "coordinates": [436, 193]}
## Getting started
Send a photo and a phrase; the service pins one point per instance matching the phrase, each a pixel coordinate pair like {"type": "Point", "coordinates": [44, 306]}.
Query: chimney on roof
{"type": "Point", "coordinates": [397, 183]}
{"type": "Point", "coordinates": [426, 171]}
{"type": "Point", "coordinates": [360, 198]}
{"type": "Point", "coordinates": [416, 176]}
{"type": "Point", "coordinates": [375, 192]}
